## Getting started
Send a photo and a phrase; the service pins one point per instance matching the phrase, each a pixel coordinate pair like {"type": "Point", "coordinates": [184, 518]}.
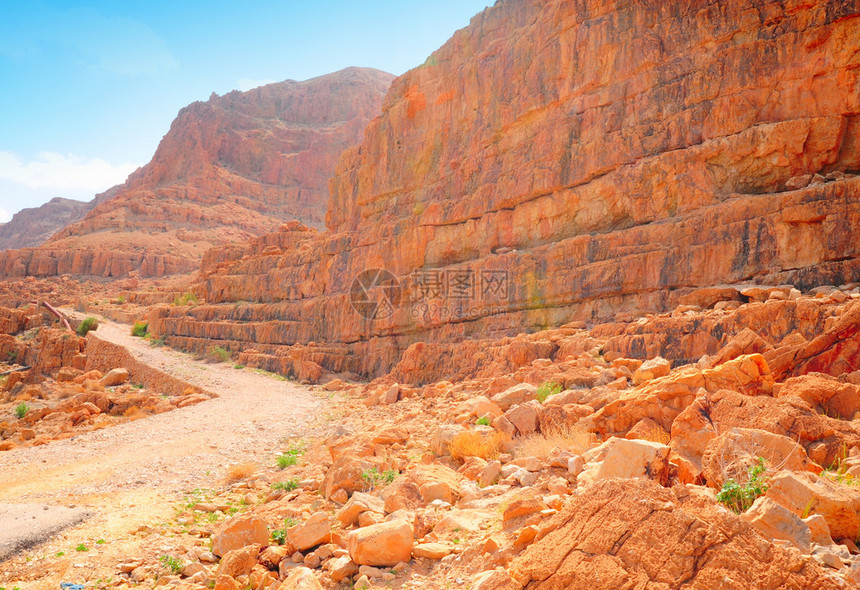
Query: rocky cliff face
{"type": "Point", "coordinates": [230, 168]}
{"type": "Point", "coordinates": [560, 161]}
{"type": "Point", "coordinates": [31, 227]}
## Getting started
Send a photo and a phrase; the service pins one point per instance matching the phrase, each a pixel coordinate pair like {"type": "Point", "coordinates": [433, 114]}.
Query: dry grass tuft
{"type": "Point", "coordinates": [241, 471]}
{"type": "Point", "coordinates": [567, 438]}
{"type": "Point", "coordinates": [134, 413]}
{"type": "Point", "coordinates": [472, 444]}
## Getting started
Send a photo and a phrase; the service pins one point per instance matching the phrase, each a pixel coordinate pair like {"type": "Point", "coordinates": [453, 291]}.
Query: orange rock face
{"type": "Point", "coordinates": [594, 158]}
{"type": "Point", "coordinates": [230, 168]}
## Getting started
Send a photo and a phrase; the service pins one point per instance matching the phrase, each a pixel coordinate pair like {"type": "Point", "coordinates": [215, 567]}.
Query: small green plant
{"type": "Point", "coordinates": [81, 547]}
{"type": "Point", "coordinates": [482, 421]}
{"type": "Point", "coordinates": [172, 564]}
{"type": "Point", "coordinates": [547, 389]}
{"type": "Point", "coordinates": [121, 300]}
{"type": "Point", "coordinates": [12, 356]}
{"type": "Point", "coordinates": [739, 497]}
{"type": "Point", "coordinates": [138, 386]}
{"type": "Point", "coordinates": [59, 553]}
{"type": "Point", "coordinates": [280, 535]}
{"type": "Point", "coordinates": [139, 329]}
{"type": "Point", "coordinates": [289, 485]}
{"type": "Point", "coordinates": [289, 458]}
{"type": "Point", "coordinates": [186, 298]}
{"type": "Point", "coordinates": [88, 324]}
{"type": "Point", "coordinates": [156, 341]}
{"type": "Point", "coordinates": [21, 410]}
{"type": "Point", "coordinates": [220, 354]}
{"type": "Point", "coordinates": [238, 366]}
{"type": "Point", "coordinates": [100, 542]}
{"type": "Point", "coordinates": [373, 477]}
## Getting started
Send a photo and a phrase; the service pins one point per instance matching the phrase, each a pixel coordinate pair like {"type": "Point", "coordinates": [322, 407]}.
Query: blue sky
{"type": "Point", "coordinates": [87, 89]}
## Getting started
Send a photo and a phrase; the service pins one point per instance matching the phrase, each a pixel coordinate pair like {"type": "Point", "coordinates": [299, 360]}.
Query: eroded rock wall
{"type": "Point", "coordinates": [602, 157]}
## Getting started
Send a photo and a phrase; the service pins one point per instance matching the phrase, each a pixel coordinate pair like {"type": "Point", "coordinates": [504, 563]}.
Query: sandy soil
{"type": "Point", "coordinates": [135, 473]}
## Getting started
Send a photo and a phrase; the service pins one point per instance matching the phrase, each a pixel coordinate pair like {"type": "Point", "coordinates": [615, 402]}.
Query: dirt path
{"type": "Point", "coordinates": [136, 471]}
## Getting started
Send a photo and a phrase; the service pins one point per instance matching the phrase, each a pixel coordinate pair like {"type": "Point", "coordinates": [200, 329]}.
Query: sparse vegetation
{"type": "Point", "coordinates": [81, 548]}
{"type": "Point", "coordinates": [219, 354]}
{"type": "Point", "coordinates": [121, 300]}
{"type": "Point", "coordinates": [739, 497]}
{"type": "Point", "coordinates": [156, 341]}
{"type": "Point", "coordinates": [87, 325]}
{"type": "Point", "coordinates": [238, 366]}
{"type": "Point", "coordinates": [139, 329]}
{"type": "Point", "coordinates": [289, 485]}
{"type": "Point", "coordinates": [241, 471]}
{"type": "Point", "coordinates": [21, 410]}
{"type": "Point", "coordinates": [171, 564]}
{"type": "Point", "coordinates": [187, 298]}
{"type": "Point", "coordinates": [566, 437]}
{"type": "Point", "coordinates": [547, 389]}
{"type": "Point", "coordinates": [373, 477]}
{"type": "Point", "coordinates": [482, 421]}
{"type": "Point", "coordinates": [12, 356]}
{"type": "Point", "coordinates": [290, 457]}
{"type": "Point", "coordinates": [279, 536]}
{"type": "Point", "coordinates": [472, 444]}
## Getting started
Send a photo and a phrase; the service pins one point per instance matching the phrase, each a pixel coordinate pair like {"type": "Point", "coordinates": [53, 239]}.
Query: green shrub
{"type": "Point", "coordinates": [219, 354]}
{"type": "Point", "coordinates": [373, 477]}
{"type": "Point", "coordinates": [81, 547]}
{"type": "Point", "coordinates": [482, 421]}
{"type": "Point", "coordinates": [547, 389]}
{"type": "Point", "coordinates": [88, 324]}
{"type": "Point", "coordinates": [172, 564]}
{"type": "Point", "coordinates": [139, 329]}
{"type": "Point", "coordinates": [238, 366]}
{"type": "Point", "coordinates": [21, 410]}
{"type": "Point", "coordinates": [290, 457]}
{"type": "Point", "coordinates": [280, 535]}
{"type": "Point", "coordinates": [121, 300]}
{"type": "Point", "coordinates": [289, 485]}
{"type": "Point", "coordinates": [739, 497]}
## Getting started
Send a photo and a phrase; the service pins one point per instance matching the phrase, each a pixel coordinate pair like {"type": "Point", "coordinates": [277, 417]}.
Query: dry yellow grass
{"type": "Point", "coordinates": [540, 445]}
{"type": "Point", "coordinates": [241, 471]}
{"type": "Point", "coordinates": [472, 444]}
{"type": "Point", "coordinates": [134, 413]}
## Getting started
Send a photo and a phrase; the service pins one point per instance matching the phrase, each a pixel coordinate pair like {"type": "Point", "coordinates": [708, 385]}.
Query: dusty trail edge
{"type": "Point", "coordinates": [134, 474]}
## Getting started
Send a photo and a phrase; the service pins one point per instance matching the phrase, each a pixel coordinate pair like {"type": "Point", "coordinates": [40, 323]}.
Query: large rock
{"type": "Point", "coordinates": [300, 578]}
{"type": "Point", "coordinates": [359, 502]}
{"type": "Point", "coordinates": [238, 533]}
{"type": "Point", "coordinates": [383, 544]}
{"type": "Point", "coordinates": [238, 561]}
{"type": "Point", "coordinates": [514, 132]}
{"type": "Point", "coordinates": [730, 455]}
{"type": "Point", "coordinates": [806, 494]}
{"type": "Point", "coordinates": [625, 458]}
{"type": "Point", "coordinates": [635, 533]}
{"type": "Point", "coordinates": [316, 530]}
{"type": "Point", "coordinates": [777, 522]}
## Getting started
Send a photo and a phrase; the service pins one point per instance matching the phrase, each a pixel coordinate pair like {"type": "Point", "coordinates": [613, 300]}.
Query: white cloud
{"type": "Point", "coordinates": [63, 172]}
{"type": "Point", "coordinates": [245, 84]}
{"type": "Point", "coordinates": [5, 216]}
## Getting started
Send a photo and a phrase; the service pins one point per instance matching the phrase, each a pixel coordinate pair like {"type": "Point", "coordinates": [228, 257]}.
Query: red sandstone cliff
{"type": "Point", "coordinates": [230, 168]}
{"type": "Point", "coordinates": [606, 156]}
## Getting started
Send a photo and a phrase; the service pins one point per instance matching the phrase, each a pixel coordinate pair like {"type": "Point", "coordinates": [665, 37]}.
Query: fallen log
{"type": "Point", "coordinates": [10, 371]}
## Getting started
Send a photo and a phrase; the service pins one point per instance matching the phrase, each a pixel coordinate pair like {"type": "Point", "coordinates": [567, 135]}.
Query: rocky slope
{"type": "Point", "coordinates": [560, 161]}
{"type": "Point", "coordinates": [542, 461]}
{"type": "Point", "coordinates": [230, 168]}
{"type": "Point", "coordinates": [31, 227]}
